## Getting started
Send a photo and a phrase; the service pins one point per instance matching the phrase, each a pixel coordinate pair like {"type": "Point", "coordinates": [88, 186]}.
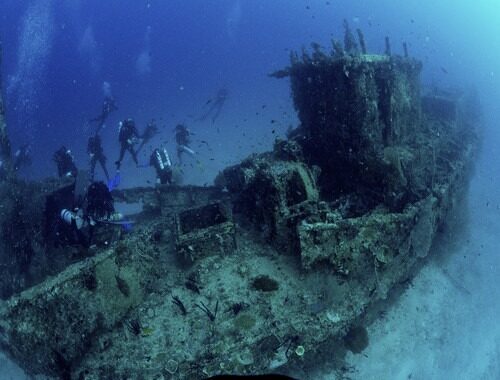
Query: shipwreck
{"type": "Point", "coordinates": [277, 266]}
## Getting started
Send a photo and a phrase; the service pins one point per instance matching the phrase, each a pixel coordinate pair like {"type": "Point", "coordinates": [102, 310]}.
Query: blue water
{"type": "Point", "coordinates": [164, 59]}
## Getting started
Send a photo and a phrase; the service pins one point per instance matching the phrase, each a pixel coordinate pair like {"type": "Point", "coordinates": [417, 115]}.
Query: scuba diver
{"type": "Point", "coordinates": [182, 137]}
{"type": "Point", "coordinates": [73, 212]}
{"type": "Point", "coordinates": [65, 163]}
{"type": "Point", "coordinates": [160, 160]}
{"type": "Point", "coordinates": [127, 136]}
{"type": "Point", "coordinates": [215, 105]}
{"type": "Point", "coordinates": [108, 106]}
{"type": "Point", "coordinates": [22, 157]}
{"type": "Point", "coordinates": [150, 131]}
{"type": "Point", "coordinates": [96, 153]}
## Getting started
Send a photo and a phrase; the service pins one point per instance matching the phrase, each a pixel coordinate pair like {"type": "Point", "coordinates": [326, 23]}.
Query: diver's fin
{"type": "Point", "coordinates": [126, 225]}
{"type": "Point", "coordinates": [115, 182]}
{"type": "Point", "coordinates": [117, 222]}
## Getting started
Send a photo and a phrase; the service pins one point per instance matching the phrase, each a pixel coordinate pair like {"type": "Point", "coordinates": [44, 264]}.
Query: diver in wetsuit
{"type": "Point", "coordinates": [150, 131]}
{"type": "Point", "coordinates": [183, 139]}
{"type": "Point", "coordinates": [215, 105]}
{"type": "Point", "coordinates": [160, 160]}
{"type": "Point", "coordinates": [108, 106]}
{"type": "Point", "coordinates": [96, 153]}
{"type": "Point", "coordinates": [22, 157]}
{"type": "Point", "coordinates": [65, 163]}
{"type": "Point", "coordinates": [72, 212]}
{"type": "Point", "coordinates": [127, 136]}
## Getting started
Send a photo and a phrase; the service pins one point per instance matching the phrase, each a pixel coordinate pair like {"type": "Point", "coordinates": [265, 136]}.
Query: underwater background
{"type": "Point", "coordinates": [165, 60]}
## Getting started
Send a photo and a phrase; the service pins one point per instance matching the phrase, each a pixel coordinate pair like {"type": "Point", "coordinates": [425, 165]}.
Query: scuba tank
{"type": "Point", "coordinates": [163, 159]}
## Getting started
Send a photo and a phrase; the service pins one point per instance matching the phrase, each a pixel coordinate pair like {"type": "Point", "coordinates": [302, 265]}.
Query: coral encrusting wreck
{"type": "Point", "coordinates": [289, 255]}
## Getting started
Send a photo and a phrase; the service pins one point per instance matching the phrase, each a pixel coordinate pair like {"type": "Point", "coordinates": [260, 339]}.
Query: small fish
{"type": "Point", "coordinates": [444, 70]}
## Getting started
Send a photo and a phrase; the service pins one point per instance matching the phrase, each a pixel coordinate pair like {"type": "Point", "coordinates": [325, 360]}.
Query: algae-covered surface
{"type": "Point", "coordinates": [278, 267]}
